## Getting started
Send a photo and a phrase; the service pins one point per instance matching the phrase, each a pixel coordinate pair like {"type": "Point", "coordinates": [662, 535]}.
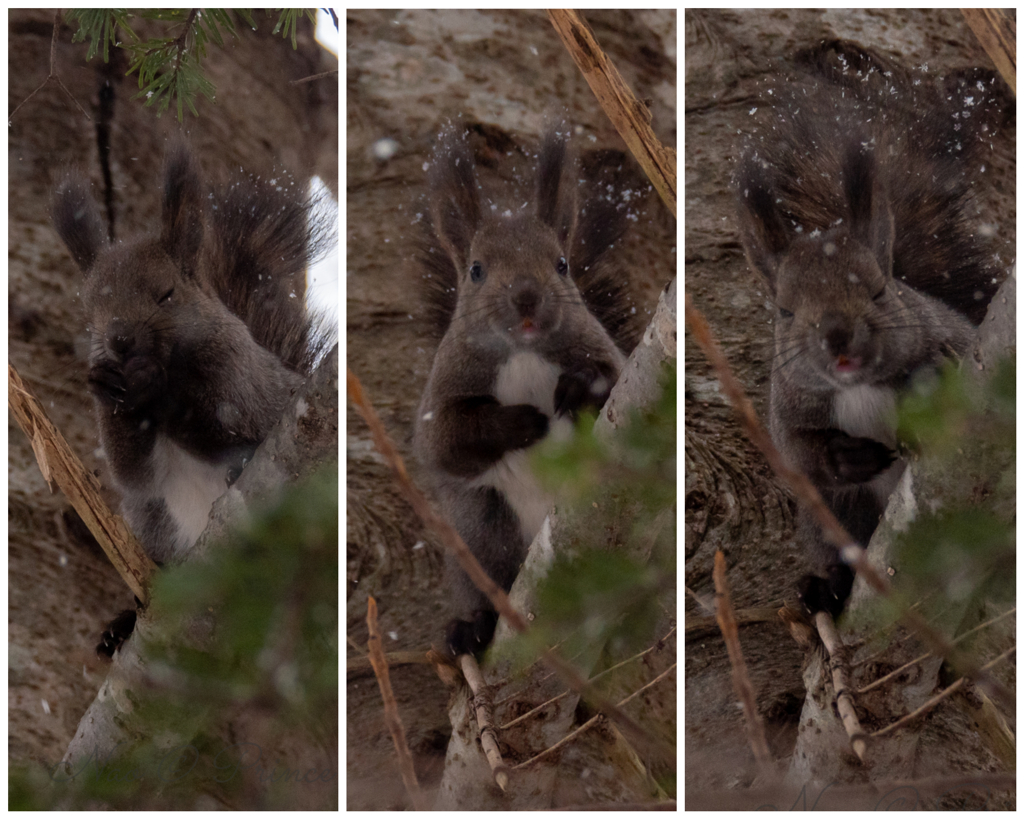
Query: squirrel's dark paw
{"type": "Point", "coordinates": [106, 382]}
{"type": "Point", "coordinates": [858, 460]}
{"type": "Point", "coordinates": [471, 636]}
{"type": "Point", "coordinates": [821, 594]}
{"type": "Point", "coordinates": [524, 425]}
{"type": "Point", "coordinates": [581, 389]}
{"type": "Point", "coordinates": [145, 380]}
{"type": "Point", "coordinates": [119, 630]}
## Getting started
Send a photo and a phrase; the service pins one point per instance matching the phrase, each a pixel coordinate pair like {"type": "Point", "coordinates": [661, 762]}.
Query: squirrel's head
{"type": "Point", "coordinates": [836, 307]}
{"type": "Point", "coordinates": [136, 292]}
{"type": "Point", "coordinates": [513, 265]}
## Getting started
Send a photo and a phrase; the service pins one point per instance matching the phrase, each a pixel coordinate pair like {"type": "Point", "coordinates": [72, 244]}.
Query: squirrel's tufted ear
{"type": "Point", "coordinates": [182, 233]}
{"type": "Point", "coordinates": [765, 237]}
{"type": "Point", "coordinates": [871, 219]}
{"type": "Point", "coordinates": [78, 220]}
{"type": "Point", "coordinates": [557, 204]}
{"type": "Point", "coordinates": [453, 196]}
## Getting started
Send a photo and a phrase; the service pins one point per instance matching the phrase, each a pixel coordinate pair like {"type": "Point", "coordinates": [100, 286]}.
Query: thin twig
{"type": "Point", "coordinates": [590, 723]}
{"type": "Point", "coordinates": [391, 717]}
{"type": "Point", "coordinates": [944, 694]}
{"type": "Point", "coordinates": [53, 76]}
{"type": "Point", "coordinates": [740, 679]}
{"type": "Point", "coordinates": [592, 680]}
{"type": "Point", "coordinates": [881, 680]}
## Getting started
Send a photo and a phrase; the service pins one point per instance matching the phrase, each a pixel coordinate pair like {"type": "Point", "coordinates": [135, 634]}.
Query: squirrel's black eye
{"type": "Point", "coordinates": [784, 313]}
{"type": "Point", "coordinates": [879, 295]}
{"type": "Point", "coordinates": [476, 272]}
{"type": "Point", "coordinates": [562, 267]}
{"type": "Point", "coordinates": [166, 297]}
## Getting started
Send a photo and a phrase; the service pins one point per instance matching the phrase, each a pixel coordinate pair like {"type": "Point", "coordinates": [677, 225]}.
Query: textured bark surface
{"type": "Point", "coordinates": [732, 501]}
{"type": "Point", "coordinates": [62, 590]}
{"type": "Point", "coordinates": [407, 72]}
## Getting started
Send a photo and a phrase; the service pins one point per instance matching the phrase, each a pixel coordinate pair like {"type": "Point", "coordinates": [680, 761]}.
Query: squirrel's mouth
{"type": "Point", "coordinates": [848, 363]}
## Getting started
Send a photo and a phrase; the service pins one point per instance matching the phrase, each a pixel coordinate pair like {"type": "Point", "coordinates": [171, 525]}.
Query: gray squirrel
{"type": "Point", "coordinates": [199, 338]}
{"type": "Point", "coordinates": [530, 314]}
{"type": "Point", "coordinates": [852, 207]}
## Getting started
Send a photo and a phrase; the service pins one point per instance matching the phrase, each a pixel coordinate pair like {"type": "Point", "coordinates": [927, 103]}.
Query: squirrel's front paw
{"type": "Point", "coordinates": [145, 380]}
{"type": "Point", "coordinates": [858, 460]}
{"type": "Point", "coordinates": [471, 636]}
{"type": "Point", "coordinates": [581, 389]}
{"type": "Point", "coordinates": [523, 424]}
{"type": "Point", "coordinates": [821, 594]}
{"type": "Point", "coordinates": [106, 382]}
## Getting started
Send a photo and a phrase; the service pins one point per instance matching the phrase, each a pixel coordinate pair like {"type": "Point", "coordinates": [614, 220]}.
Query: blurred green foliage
{"type": "Point", "coordinates": [170, 67]}
{"type": "Point", "coordinates": [964, 429]}
{"type": "Point", "coordinates": [617, 578]}
{"type": "Point", "coordinates": [250, 630]}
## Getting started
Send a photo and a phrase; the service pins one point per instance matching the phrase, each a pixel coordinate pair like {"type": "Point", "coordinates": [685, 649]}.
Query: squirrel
{"type": "Point", "coordinates": [199, 337]}
{"type": "Point", "coordinates": [852, 207]}
{"type": "Point", "coordinates": [535, 326]}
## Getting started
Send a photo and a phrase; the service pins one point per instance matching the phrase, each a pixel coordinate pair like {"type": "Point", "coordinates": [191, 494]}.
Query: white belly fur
{"type": "Point", "coordinates": [526, 378]}
{"type": "Point", "coordinates": [866, 411]}
{"type": "Point", "coordinates": [188, 486]}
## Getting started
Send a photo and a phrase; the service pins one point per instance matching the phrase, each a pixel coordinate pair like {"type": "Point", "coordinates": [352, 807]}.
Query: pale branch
{"type": "Point", "coordinates": [391, 716]}
{"type": "Point", "coordinates": [483, 709]}
{"type": "Point", "coordinates": [839, 663]}
{"type": "Point", "coordinates": [61, 466]}
{"type": "Point", "coordinates": [628, 114]}
{"type": "Point", "coordinates": [740, 679]}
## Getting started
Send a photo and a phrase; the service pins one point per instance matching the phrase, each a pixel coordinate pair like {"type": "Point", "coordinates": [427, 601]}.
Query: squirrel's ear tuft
{"type": "Point", "coordinates": [78, 221]}
{"type": "Point", "coordinates": [453, 196]}
{"type": "Point", "coordinates": [764, 233]}
{"type": "Point", "coordinates": [557, 204]}
{"type": "Point", "coordinates": [871, 220]}
{"type": "Point", "coordinates": [182, 233]}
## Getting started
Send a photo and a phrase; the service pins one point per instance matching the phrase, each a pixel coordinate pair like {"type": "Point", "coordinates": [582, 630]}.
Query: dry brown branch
{"type": "Point", "coordinates": [801, 486]}
{"type": "Point", "coordinates": [59, 464]}
{"type": "Point", "coordinates": [391, 717]}
{"type": "Point", "coordinates": [53, 76]}
{"type": "Point", "coordinates": [483, 708]}
{"type": "Point", "coordinates": [997, 34]}
{"type": "Point", "coordinates": [740, 679]}
{"type": "Point", "coordinates": [944, 694]}
{"type": "Point", "coordinates": [839, 664]}
{"type": "Point", "coordinates": [451, 541]}
{"type": "Point", "coordinates": [393, 658]}
{"type": "Point", "coordinates": [892, 674]}
{"type": "Point", "coordinates": [628, 114]}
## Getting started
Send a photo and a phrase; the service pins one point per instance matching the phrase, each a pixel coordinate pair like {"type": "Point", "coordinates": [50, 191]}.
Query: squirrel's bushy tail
{"type": "Point", "coordinates": [925, 135]}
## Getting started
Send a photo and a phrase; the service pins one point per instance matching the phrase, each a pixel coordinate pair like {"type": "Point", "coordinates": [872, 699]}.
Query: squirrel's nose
{"type": "Point", "coordinates": [525, 298]}
{"type": "Point", "coordinates": [120, 337]}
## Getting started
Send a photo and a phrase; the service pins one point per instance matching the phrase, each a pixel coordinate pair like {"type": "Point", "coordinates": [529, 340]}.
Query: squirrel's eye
{"type": "Point", "coordinates": [476, 272]}
{"type": "Point", "coordinates": [784, 313]}
{"type": "Point", "coordinates": [166, 297]}
{"type": "Point", "coordinates": [562, 267]}
{"type": "Point", "coordinates": [879, 295]}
